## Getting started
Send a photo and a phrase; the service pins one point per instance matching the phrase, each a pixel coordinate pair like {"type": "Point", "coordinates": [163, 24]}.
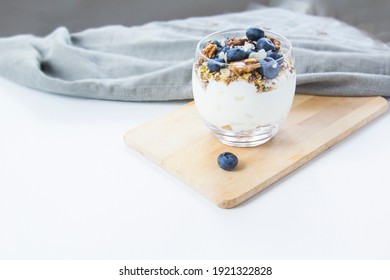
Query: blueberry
{"type": "Point", "coordinates": [213, 66]}
{"type": "Point", "coordinates": [248, 52]}
{"type": "Point", "coordinates": [235, 54]}
{"type": "Point", "coordinates": [227, 161]}
{"type": "Point", "coordinates": [225, 49]}
{"type": "Point", "coordinates": [276, 55]}
{"type": "Point", "coordinates": [269, 68]}
{"type": "Point", "coordinates": [254, 34]}
{"type": "Point", "coordinates": [265, 44]}
{"type": "Point", "coordinates": [222, 49]}
{"type": "Point", "coordinates": [217, 43]}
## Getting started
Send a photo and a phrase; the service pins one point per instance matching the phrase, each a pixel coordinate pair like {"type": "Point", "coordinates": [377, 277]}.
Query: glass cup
{"type": "Point", "coordinates": [244, 102]}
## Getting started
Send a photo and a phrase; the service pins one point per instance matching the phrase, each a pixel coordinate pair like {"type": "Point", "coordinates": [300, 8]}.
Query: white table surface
{"type": "Point", "coordinates": [70, 188]}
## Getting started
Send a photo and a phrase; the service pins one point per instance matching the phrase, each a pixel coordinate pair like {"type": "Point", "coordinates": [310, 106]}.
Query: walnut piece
{"type": "Point", "coordinates": [249, 61]}
{"type": "Point", "coordinates": [277, 43]}
{"type": "Point", "coordinates": [236, 41]}
{"type": "Point", "coordinates": [209, 50]}
{"type": "Point", "coordinates": [245, 66]}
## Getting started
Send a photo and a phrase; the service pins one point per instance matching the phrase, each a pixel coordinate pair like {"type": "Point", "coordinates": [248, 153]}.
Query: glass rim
{"type": "Point", "coordinates": [209, 36]}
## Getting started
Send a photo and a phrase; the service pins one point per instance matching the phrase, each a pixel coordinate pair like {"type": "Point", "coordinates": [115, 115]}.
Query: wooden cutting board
{"type": "Point", "coordinates": [180, 143]}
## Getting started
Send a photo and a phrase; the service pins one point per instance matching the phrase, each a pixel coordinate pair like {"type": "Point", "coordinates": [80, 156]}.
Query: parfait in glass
{"type": "Point", "coordinates": [244, 84]}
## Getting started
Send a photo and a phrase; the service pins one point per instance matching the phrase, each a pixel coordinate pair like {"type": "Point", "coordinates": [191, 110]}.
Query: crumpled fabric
{"type": "Point", "coordinates": [153, 62]}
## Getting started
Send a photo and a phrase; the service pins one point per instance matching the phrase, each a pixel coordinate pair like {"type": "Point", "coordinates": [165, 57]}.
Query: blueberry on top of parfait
{"type": "Point", "coordinates": [213, 64]}
{"type": "Point", "coordinates": [265, 44]}
{"type": "Point", "coordinates": [278, 56]}
{"type": "Point", "coordinates": [217, 43]}
{"type": "Point", "coordinates": [254, 34]}
{"type": "Point", "coordinates": [269, 68]}
{"type": "Point", "coordinates": [236, 54]}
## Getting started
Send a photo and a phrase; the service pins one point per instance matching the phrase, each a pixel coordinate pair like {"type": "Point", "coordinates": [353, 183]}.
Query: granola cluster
{"type": "Point", "coordinates": [256, 59]}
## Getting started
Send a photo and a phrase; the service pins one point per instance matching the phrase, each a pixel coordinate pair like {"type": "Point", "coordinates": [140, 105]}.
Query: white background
{"type": "Point", "coordinates": [70, 188]}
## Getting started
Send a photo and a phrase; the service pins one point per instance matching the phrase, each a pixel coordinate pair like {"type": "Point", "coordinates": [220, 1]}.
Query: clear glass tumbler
{"type": "Point", "coordinates": [243, 98]}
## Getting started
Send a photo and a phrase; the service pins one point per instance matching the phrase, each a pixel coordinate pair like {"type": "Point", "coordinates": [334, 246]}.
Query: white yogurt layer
{"type": "Point", "coordinates": [240, 106]}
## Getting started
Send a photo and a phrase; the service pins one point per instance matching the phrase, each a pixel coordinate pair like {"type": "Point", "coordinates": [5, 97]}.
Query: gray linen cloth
{"type": "Point", "coordinates": [154, 61]}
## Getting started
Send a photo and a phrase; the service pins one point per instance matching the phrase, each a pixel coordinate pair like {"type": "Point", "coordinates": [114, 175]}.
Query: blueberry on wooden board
{"type": "Point", "coordinates": [227, 161]}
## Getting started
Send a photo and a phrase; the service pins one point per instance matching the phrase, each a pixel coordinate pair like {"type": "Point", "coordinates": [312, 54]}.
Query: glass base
{"type": "Point", "coordinates": [247, 138]}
